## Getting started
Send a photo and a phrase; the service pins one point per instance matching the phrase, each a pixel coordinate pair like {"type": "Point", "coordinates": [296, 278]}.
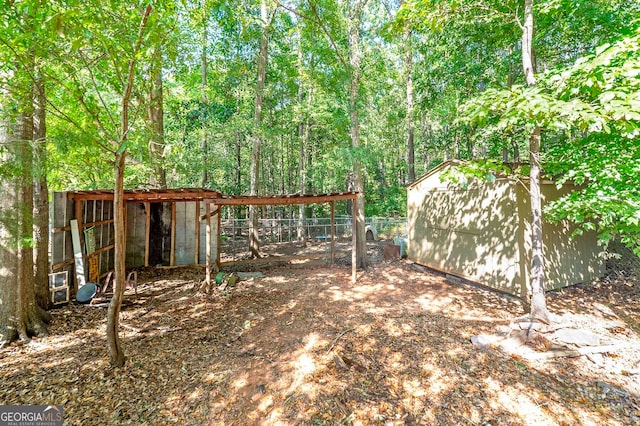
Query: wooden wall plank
{"type": "Point", "coordinates": [197, 233]}
{"type": "Point", "coordinates": [147, 232]}
{"type": "Point", "coordinates": [172, 256]}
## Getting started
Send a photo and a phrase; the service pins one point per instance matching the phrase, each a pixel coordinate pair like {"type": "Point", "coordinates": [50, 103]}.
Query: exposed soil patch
{"type": "Point", "coordinates": [305, 346]}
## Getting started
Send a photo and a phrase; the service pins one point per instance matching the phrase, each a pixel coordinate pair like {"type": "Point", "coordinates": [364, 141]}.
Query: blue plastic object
{"type": "Point", "coordinates": [86, 292]}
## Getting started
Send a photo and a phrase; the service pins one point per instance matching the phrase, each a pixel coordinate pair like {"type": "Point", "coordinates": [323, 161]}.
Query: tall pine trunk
{"type": "Point", "coordinates": [304, 128]}
{"type": "Point", "coordinates": [41, 197]}
{"type": "Point", "coordinates": [411, 157]}
{"type": "Point", "coordinates": [155, 118]}
{"type": "Point", "coordinates": [9, 237]}
{"type": "Point", "coordinates": [355, 57]}
{"type": "Point", "coordinates": [254, 240]}
{"type": "Point", "coordinates": [538, 302]}
{"type": "Point", "coordinates": [20, 315]}
{"type": "Point", "coordinates": [203, 107]}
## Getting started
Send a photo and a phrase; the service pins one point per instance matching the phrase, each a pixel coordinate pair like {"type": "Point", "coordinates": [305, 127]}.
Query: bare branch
{"type": "Point", "coordinates": [96, 88]}
{"type": "Point", "coordinates": [319, 22]}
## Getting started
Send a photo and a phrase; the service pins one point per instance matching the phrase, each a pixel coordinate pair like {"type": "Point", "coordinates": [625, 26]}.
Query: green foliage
{"type": "Point", "coordinates": [470, 97]}
{"type": "Point", "coordinates": [595, 104]}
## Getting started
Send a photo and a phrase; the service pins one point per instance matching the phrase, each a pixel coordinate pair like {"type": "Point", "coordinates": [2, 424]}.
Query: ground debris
{"type": "Point", "coordinates": [303, 345]}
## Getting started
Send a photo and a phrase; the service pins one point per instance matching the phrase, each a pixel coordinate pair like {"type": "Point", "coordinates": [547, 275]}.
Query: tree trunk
{"type": "Point", "coordinates": [20, 315]}
{"type": "Point", "coordinates": [113, 314]}
{"type": "Point", "coordinates": [538, 302]}
{"type": "Point", "coordinates": [41, 198]}
{"type": "Point", "coordinates": [9, 240]}
{"type": "Point", "coordinates": [205, 141]}
{"type": "Point", "coordinates": [411, 166]}
{"type": "Point", "coordinates": [254, 241]}
{"type": "Point", "coordinates": [155, 117]}
{"type": "Point", "coordinates": [303, 137]}
{"type": "Point", "coordinates": [354, 19]}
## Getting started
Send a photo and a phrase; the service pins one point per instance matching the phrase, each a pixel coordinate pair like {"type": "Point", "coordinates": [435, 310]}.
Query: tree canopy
{"type": "Point", "coordinates": [470, 98]}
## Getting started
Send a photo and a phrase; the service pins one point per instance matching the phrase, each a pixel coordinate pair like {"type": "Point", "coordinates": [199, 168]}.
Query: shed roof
{"type": "Point", "coordinates": [433, 171]}
{"type": "Point", "coordinates": [450, 163]}
{"type": "Point", "coordinates": [152, 195]}
{"type": "Point", "coordinates": [211, 196]}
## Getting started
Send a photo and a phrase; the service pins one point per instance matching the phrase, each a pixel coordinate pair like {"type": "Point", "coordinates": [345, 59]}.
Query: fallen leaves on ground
{"type": "Point", "coordinates": [305, 346]}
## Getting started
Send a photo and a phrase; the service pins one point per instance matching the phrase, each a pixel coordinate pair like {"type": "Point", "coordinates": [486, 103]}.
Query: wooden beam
{"type": "Point", "coordinates": [208, 248]}
{"type": "Point", "coordinates": [353, 242]}
{"type": "Point", "coordinates": [172, 256]}
{"type": "Point", "coordinates": [84, 256]}
{"type": "Point", "coordinates": [168, 195]}
{"type": "Point", "coordinates": [84, 226]}
{"type": "Point", "coordinates": [207, 215]}
{"type": "Point", "coordinates": [333, 231]}
{"type": "Point", "coordinates": [219, 243]}
{"type": "Point", "coordinates": [147, 232]}
{"type": "Point", "coordinates": [197, 243]}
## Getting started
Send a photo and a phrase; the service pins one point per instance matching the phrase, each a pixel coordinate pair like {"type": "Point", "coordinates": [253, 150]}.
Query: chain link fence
{"type": "Point", "coordinates": [286, 229]}
{"type": "Point", "coordinates": [622, 263]}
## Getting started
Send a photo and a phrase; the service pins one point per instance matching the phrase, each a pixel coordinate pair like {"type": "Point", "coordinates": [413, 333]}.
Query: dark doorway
{"type": "Point", "coordinates": [160, 234]}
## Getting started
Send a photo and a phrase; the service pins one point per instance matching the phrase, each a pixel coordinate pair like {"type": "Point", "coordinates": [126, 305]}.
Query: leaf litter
{"type": "Point", "coordinates": [303, 345]}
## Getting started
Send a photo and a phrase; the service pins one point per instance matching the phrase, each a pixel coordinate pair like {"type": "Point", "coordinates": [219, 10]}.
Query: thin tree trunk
{"type": "Point", "coordinates": [303, 139]}
{"type": "Point", "coordinates": [354, 20]}
{"type": "Point", "coordinates": [205, 141]}
{"type": "Point", "coordinates": [155, 116]}
{"type": "Point", "coordinates": [114, 344]}
{"type": "Point", "coordinates": [41, 198]}
{"type": "Point", "coordinates": [411, 166]}
{"type": "Point", "coordinates": [113, 314]}
{"type": "Point", "coordinates": [254, 240]}
{"type": "Point", "coordinates": [538, 302]}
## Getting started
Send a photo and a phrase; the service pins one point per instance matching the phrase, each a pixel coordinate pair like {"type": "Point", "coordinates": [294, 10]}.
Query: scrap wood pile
{"type": "Point", "coordinates": [302, 345]}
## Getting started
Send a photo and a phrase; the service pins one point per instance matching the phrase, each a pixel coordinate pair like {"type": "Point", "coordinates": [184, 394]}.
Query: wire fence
{"type": "Point", "coordinates": [280, 230]}
{"type": "Point", "coordinates": [622, 262]}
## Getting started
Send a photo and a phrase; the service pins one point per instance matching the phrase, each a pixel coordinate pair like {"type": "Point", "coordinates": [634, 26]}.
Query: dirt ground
{"type": "Point", "coordinates": [305, 346]}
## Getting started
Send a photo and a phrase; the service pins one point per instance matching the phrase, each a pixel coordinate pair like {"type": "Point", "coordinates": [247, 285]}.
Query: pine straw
{"type": "Point", "coordinates": [305, 346]}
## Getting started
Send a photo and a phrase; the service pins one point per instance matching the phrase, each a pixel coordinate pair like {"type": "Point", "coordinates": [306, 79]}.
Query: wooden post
{"type": "Point", "coordinates": [219, 239]}
{"type": "Point", "coordinates": [208, 248]}
{"type": "Point", "coordinates": [333, 231]}
{"type": "Point", "coordinates": [197, 244]}
{"type": "Point", "coordinates": [354, 242]}
{"type": "Point", "coordinates": [147, 232]}
{"type": "Point", "coordinates": [124, 216]}
{"type": "Point", "coordinates": [172, 256]}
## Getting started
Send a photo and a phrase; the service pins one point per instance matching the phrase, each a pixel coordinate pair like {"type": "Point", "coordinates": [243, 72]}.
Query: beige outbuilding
{"type": "Point", "coordinates": [479, 229]}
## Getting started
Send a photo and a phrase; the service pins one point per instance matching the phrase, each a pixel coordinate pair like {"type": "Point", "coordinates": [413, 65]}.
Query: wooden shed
{"type": "Point", "coordinates": [163, 227]}
{"type": "Point", "coordinates": [170, 227]}
{"type": "Point", "coordinates": [480, 230]}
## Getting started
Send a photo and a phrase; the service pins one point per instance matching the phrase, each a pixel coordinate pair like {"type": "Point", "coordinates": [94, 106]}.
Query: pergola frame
{"type": "Point", "coordinates": [214, 198]}
{"type": "Point", "coordinates": [295, 199]}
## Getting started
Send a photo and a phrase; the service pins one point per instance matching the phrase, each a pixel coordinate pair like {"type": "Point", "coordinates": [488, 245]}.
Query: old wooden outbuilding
{"type": "Point", "coordinates": [480, 230]}
{"type": "Point", "coordinates": [169, 227]}
{"type": "Point", "coordinates": [163, 227]}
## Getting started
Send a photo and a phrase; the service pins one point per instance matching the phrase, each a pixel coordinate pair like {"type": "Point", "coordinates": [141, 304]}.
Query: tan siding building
{"type": "Point", "coordinates": [481, 231]}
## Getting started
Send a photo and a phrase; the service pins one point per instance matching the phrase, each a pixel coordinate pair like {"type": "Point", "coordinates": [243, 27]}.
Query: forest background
{"type": "Point", "coordinates": [324, 96]}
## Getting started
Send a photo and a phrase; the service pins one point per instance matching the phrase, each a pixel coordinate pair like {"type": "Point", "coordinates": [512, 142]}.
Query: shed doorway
{"type": "Point", "coordinates": [160, 234]}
